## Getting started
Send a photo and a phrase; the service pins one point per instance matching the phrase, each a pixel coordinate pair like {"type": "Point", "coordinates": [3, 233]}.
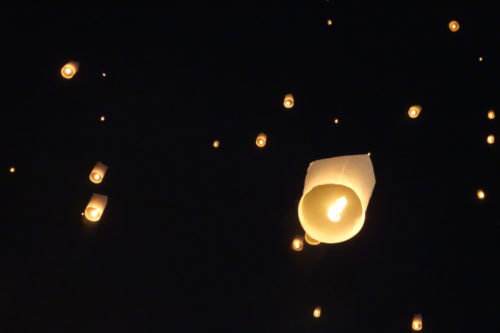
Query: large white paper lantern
{"type": "Point", "coordinates": [98, 173]}
{"type": "Point", "coordinates": [335, 198]}
{"type": "Point", "coordinates": [96, 207]}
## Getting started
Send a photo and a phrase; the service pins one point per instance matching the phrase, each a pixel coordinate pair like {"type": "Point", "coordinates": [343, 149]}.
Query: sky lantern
{"type": "Point", "coordinates": [96, 207]}
{"type": "Point", "coordinates": [70, 69]}
{"type": "Point", "coordinates": [490, 139]}
{"type": "Point", "coordinates": [102, 118]}
{"type": "Point", "coordinates": [98, 172]}
{"type": "Point", "coordinates": [336, 195]}
{"type": "Point", "coordinates": [336, 121]}
{"type": "Point", "coordinates": [12, 170]}
{"type": "Point", "coordinates": [414, 111]}
{"type": "Point", "coordinates": [480, 194]}
{"type": "Point", "coordinates": [329, 22]}
{"type": "Point", "coordinates": [480, 59]}
{"type": "Point", "coordinates": [216, 144]}
{"type": "Point", "coordinates": [454, 26]}
{"type": "Point", "coordinates": [288, 102]}
{"type": "Point", "coordinates": [491, 114]}
{"type": "Point", "coordinates": [261, 140]}
{"type": "Point", "coordinates": [310, 240]}
{"type": "Point", "coordinates": [297, 244]}
{"type": "Point", "coordinates": [416, 323]}
{"type": "Point", "coordinates": [317, 312]}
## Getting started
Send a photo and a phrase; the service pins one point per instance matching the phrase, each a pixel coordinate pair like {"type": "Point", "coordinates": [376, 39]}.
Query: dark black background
{"type": "Point", "coordinates": [198, 239]}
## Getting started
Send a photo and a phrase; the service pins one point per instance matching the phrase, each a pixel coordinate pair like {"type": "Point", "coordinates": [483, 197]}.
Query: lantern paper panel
{"type": "Point", "coordinates": [289, 101]}
{"type": "Point", "coordinates": [416, 324]}
{"type": "Point", "coordinates": [98, 173]}
{"type": "Point", "coordinates": [95, 207]}
{"type": "Point", "coordinates": [261, 140]}
{"type": "Point", "coordinates": [70, 69]}
{"type": "Point", "coordinates": [335, 198]}
{"type": "Point", "coordinates": [310, 240]}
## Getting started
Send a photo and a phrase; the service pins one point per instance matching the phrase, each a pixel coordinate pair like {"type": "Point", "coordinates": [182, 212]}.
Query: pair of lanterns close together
{"type": "Point", "coordinates": [97, 204]}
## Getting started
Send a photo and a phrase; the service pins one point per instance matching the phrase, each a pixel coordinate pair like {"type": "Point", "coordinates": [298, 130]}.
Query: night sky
{"type": "Point", "coordinates": [197, 239]}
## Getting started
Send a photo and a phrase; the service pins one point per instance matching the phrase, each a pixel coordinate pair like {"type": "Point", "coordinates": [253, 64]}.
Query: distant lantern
{"type": "Point", "coordinates": [70, 69]}
{"type": "Point", "coordinates": [329, 22]}
{"type": "Point", "coordinates": [288, 102]}
{"type": "Point", "coordinates": [336, 121]}
{"type": "Point", "coordinates": [454, 26]}
{"type": "Point", "coordinates": [310, 240]}
{"type": "Point", "coordinates": [104, 74]}
{"type": "Point", "coordinates": [490, 139]}
{"type": "Point", "coordinates": [317, 312]}
{"type": "Point", "coordinates": [103, 118]}
{"type": "Point", "coordinates": [12, 170]}
{"type": "Point", "coordinates": [297, 244]}
{"type": "Point", "coordinates": [98, 173]}
{"type": "Point", "coordinates": [216, 144]}
{"type": "Point", "coordinates": [96, 207]}
{"type": "Point", "coordinates": [261, 140]}
{"type": "Point", "coordinates": [491, 114]}
{"type": "Point", "coordinates": [336, 195]}
{"type": "Point", "coordinates": [480, 59]}
{"type": "Point", "coordinates": [416, 323]}
{"type": "Point", "coordinates": [480, 194]}
{"type": "Point", "coordinates": [414, 111]}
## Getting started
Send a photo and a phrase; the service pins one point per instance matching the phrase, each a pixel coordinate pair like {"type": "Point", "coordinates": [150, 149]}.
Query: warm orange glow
{"type": "Point", "coordinates": [261, 140]}
{"type": "Point", "coordinates": [216, 144]}
{"type": "Point", "coordinates": [416, 323]}
{"type": "Point", "coordinates": [490, 139]}
{"type": "Point", "coordinates": [98, 172]}
{"type": "Point", "coordinates": [317, 312]}
{"type": "Point", "coordinates": [288, 102]}
{"type": "Point", "coordinates": [491, 114]}
{"type": "Point", "coordinates": [104, 74]}
{"type": "Point", "coordinates": [369, 154]}
{"type": "Point", "coordinates": [310, 240]}
{"type": "Point", "coordinates": [12, 170]}
{"type": "Point", "coordinates": [336, 209]}
{"type": "Point", "coordinates": [297, 244]}
{"type": "Point", "coordinates": [102, 118]}
{"type": "Point", "coordinates": [69, 70]}
{"type": "Point", "coordinates": [336, 120]}
{"type": "Point", "coordinates": [454, 26]}
{"type": "Point", "coordinates": [480, 194]}
{"type": "Point", "coordinates": [480, 59]}
{"type": "Point", "coordinates": [96, 207]}
{"type": "Point", "coordinates": [329, 22]}
{"type": "Point", "coordinates": [414, 111]}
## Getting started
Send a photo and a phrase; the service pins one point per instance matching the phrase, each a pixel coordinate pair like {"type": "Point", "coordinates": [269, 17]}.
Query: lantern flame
{"type": "Point", "coordinates": [335, 211]}
{"type": "Point", "coordinates": [297, 244]}
{"type": "Point", "coordinates": [416, 323]}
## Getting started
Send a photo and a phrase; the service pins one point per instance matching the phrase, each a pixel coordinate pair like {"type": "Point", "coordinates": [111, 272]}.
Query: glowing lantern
{"type": "Point", "coordinates": [97, 174]}
{"type": "Point", "coordinates": [317, 312]}
{"type": "Point", "coordinates": [491, 114]}
{"type": "Point", "coordinates": [416, 323]}
{"type": "Point", "coordinates": [454, 26]}
{"type": "Point", "coordinates": [490, 139]}
{"type": "Point", "coordinates": [288, 102]}
{"type": "Point", "coordinates": [216, 144]}
{"type": "Point", "coordinates": [12, 170]}
{"type": "Point", "coordinates": [480, 59]}
{"type": "Point", "coordinates": [480, 194]}
{"type": "Point", "coordinates": [103, 74]}
{"type": "Point", "coordinates": [329, 22]}
{"type": "Point", "coordinates": [70, 69]}
{"type": "Point", "coordinates": [297, 244]}
{"type": "Point", "coordinates": [335, 198]}
{"type": "Point", "coordinates": [414, 111]}
{"type": "Point", "coordinates": [336, 121]}
{"type": "Point", "coordinates": [310, 240]}
{"type": "Point", "coordinates": [261, 140]}
{"type": "Point", "coordinates": [96, 207]}
{"type": "Point", "coordinates": [102, 118]}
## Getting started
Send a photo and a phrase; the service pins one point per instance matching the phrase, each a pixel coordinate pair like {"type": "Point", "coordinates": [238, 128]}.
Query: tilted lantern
{"type": "Point", "coordinates": [414, 111]}
{"type": "Point", "coordinates": [261, 140]}
{"type": "Point", "coordinates": [335, 198]}
{"type": "Point", "coordinates": [317, 312]}
{"type": "Point", "coordinates": [310, 240]}
{"type": "Point", "coordinates": [70, 69]}
{"type": "Point", "coordinates": [454, 26]}
{"type": "Point", "coordinates": [98, 173]}
{"type": "Point", "coordinates": [416, 323]}
{"type": "Point", "coordinates": [288, 102]}
{"type": "Point", "coordinates": [96, 207]}
{"type": "Point", "coordinates": [297, 244]}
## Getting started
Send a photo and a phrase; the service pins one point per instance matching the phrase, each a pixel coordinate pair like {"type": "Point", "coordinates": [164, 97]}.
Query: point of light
{"type": "Point", "coordinates": [490, 139]}
{"type": "Point", "coordinates": [335, 211]}
{"type": "Point", "coordinates": [317, 312]}
{"type": "Point", "coordinates": [297, 244]}
{"type": "Point", "coordinates": [336, 121]}
{"type": "Point", "coordinates": [414, 111]}
{"type": "Point", "coordinates": [104, 74]}
{"type": "Point", "coordinates": [491, 114]}
{"type": "Point", "coordinates": [96, 176]}
{"type": "Point", "coordinates": [216, 144]}
{"type": "Point", "coordinates": [12, 170]}
{"type": "Point", "coordinates": [480, 194]}
{"type": "Point", "coordinates": [480, 59]}
{"type": "Point", "coordinates": [329, 22]}
{"type": "Point", "coordinates": [454, 26]}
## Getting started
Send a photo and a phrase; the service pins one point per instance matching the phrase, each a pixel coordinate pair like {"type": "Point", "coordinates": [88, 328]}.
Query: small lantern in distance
{"type": "Point", "coordinates": [70, 69]}
{"type": "Point", "coordinates": [261, 140]}
{"type": "Point", "coordinates": [414, 111]}
{"type": "Point", "coordinates": [336, 121]}
{"type": "Point", "coordinates": [12, 170]}
{"type": "Point", "coordinates": [480, 194]}
{"type": "Point", "coordinates": [95, 207]}
{"type": "Point", "coordinates": [98, 173]}
{"type": "Point", "coordinates": [491, 114]}
{"type": "Point", "coordinates": [103, 118]}
{"type": "Point", "coordinates": [329, 22]}
{"type": "Point", "coordinates": [454, 26]}
{"type": "Point", "coordinates": [288, 102]}
{"type": "Point", "coordinates": [480, 59]}
{"type": "Point", "coordinates": [216, 144]}
{"type": "Point", "coordinates": [317, 312]}
{"type": "Point", "coordinates": [310, 240]}
{"type": "Point", "coordinates": [416, 323]}
{"type": "Point", "coordinates": [297, 244]}
{"type": "Point", "coordinates": [490, 139]}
